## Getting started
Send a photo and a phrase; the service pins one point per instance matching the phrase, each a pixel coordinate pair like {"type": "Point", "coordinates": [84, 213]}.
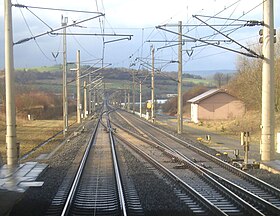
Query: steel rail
{"type": "Point", "coordinates": [248, 178]}
{"type": "Point", "coordinates": [116, 169]}
{"type": "Point", "coordinates": [78, 175]}
{"type": "Point", "coordinates": [215, 183]}
{"type": "Point", "coordinates": [212, 208]}
{"type": "Point", "coordinates": [237, 189]}
{"type": "Point", "coordinates": [222, 163]}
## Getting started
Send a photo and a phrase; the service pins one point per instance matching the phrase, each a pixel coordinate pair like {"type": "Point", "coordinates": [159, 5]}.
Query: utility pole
{"type": "Point", "coordinates": [133, 92]}
{"type": "Point", "coordinates": [64, 21]}
{"type": "Point", "coordinates": [153, 86]}
{"type": "Point", "coordinates": [125, 100]}
{"type": "Point", "coordinates": [89, 94]}
{"type": "Point", "coordinates": [128, 100]}
{"type": "Point", "coordinates": [11, 138]}
{"type": "Point", "coordinates": [94, 98]}
{"type": "Point", "coordinates": [140, 99]}
{"type": "Point", "coordinates": [180, 98]}
{"type": "Point", "coordinates": [78, 83]}
{"type": "Point", "coordinates": [85, 99]}
{"type": "Point", "coordinates": [268, 103]}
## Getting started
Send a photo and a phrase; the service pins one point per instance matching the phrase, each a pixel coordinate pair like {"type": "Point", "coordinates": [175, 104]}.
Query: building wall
{"type": "Point", "coordinates": [194, 113]}
{"type": "Point", "coordinates": [220, 106]}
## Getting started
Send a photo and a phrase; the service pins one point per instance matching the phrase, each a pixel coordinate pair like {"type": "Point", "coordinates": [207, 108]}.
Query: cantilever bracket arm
{"type": "Point", "coordinates": [212, 44]}
{"type": "Point", "coordinates": [234, 41]}
{"type": "Point", "coordinates": [119, 39]}
{"type": "Point", "coordinates": [57, 29]}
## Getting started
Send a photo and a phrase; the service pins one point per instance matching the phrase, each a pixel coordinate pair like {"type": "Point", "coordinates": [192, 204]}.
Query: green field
{"type": "Point", "coordinates": [43, 68]}
{"type": "Point", "coordinates": [114, 79]}
{"type": "Point", "coordinates": [206, 82]}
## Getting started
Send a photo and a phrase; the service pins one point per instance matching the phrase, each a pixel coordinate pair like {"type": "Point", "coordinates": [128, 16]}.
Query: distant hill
{"type": "Point", "coordinates": [49, 79]}
{"type": "Point", "coordinates": [196, 74]}
{"type": "Point", "coordinates": [53, 68]}
{"type": "Point", "coordinates": [209, 73]}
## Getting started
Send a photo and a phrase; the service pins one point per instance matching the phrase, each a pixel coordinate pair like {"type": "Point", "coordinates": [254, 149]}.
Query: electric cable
{"type": "Point", "coordinates": [39, 19]}
{"type": "Point", "coordinates": [54, 9]}
{"type": "Point", "coordinates": [28, 27]}
{"type": "Point", "coordinates": [234, 20]}
{"type": "Point", "coordinates": [213, 35]}
{"type": "Point", "coordinates": [82, 47]}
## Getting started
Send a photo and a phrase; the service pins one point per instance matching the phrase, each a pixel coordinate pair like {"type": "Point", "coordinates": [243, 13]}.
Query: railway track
{"type": "Point", "coordinates": [96, 188]}
{"type": "Point", "coordinates": [223, 202]}
{"type": "Point", "coordinates": [265, 198]}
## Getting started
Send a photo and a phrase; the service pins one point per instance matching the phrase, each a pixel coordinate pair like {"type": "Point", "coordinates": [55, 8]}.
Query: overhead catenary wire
{"type": "Point", "coordinates": [89, 73]}
{"type": "Point", "coordinates": [26, 23]}
{"type": "Point", "coordinates": [90, 60]}
{"type": "Point", "coordinates": [56, 29]}
{"type": "Point", "coordinates": [140, 48]}
{"type": "Point", "coordinates": [82, 47]}
{"type": "Point", "coordinates": [174, 38]}
{"type": "Point", "coordinates": [194, 58]}
{"type": "Point", "coordinates": [234, 41]}
{"type": "Point", "coordinates": [225, 25]}
{"type": "Point", "coordinates": [157, 70]}
{"type": "Point", "coordinates": [230, 31]}
{"type": "Point", "coordinates": [168, 53]}
{"type": "Point", "coordinates": [216, 45]}
{"type": "Point", "coordinates": [247, 22]}
{"type": "Point", "coordinates": [91, 66]}
{"type": "Point", "coordinates": [102, 27]}
{"type": "Point", "coordinates": [164, 35]}
{"type": "Point", "coordinates": [223, 18]}
{"type": "Point", "coordinates": [54, 9]}
{"type": "Point", "coordinates": [39, 19]}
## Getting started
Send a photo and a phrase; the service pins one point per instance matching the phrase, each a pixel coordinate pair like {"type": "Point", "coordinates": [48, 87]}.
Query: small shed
{"type": "Point", "coordinates": [215, 104]}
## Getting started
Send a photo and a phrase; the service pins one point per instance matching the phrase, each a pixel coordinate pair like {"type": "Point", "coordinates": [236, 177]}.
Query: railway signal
{"type": "Point", "coordinates": [261, 36]}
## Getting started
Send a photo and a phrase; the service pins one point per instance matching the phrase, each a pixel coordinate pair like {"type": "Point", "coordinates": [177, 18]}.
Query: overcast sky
{"type": "Point", "coordinates": [136, 17]}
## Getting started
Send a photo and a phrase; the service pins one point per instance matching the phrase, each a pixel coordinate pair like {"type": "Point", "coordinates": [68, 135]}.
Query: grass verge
{"type": "Point", "coordinates": [32, 133]}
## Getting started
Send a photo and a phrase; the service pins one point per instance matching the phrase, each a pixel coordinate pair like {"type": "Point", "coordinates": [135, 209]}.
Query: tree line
{"type": "Point", "coordinates": [247, 82]}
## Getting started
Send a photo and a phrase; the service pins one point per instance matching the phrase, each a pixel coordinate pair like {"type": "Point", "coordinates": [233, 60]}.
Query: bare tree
{"type": "Point", "coordinates": [246, 84]}
{"type": "Point", "coordinates": [219, 77]}
{"type": "Point", "coordinates": [2, 88]}
{"type": "Point", "coordinates": [277, 73]}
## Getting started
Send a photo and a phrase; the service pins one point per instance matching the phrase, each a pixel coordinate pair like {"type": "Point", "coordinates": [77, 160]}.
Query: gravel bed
{"type": "Point", "coordinates": [155, 192]}
{"type": "Point", "coordinates": [118, 120]}
{"type": "Point", "coordinates": [194, 143]}
{"type": "Point", "coordinates": [174, 133]}
{"type": "Point", "coordinates": [270, 178]}
{"type": "Point", "coordinates": [37, 200]}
